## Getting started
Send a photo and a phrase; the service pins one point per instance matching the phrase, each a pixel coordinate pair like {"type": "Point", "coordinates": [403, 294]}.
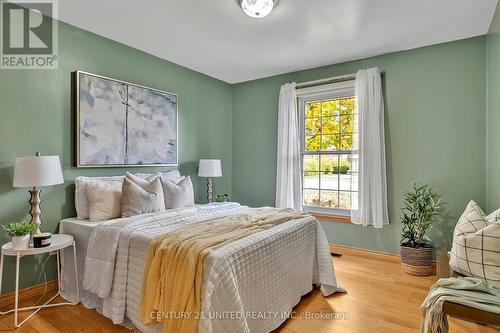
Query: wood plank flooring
{"type": "Point", "coordinates": [380, 299]}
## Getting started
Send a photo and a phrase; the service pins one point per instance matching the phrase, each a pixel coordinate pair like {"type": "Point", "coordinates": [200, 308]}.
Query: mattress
{"type": "Point", "coordinates": [265, 273]}
{"type": "Point", "coordinates": [81, 231]}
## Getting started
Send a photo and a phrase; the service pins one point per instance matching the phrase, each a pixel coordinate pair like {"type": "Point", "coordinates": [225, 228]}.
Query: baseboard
{"type": "Point", "coordinates": [391, 256]}
{"type": "Point", "coordinates": [7, 300]}
{"type": "Point", "coordinates": [333, 246]}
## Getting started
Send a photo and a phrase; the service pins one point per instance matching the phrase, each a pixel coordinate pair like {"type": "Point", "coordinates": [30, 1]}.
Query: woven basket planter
{"type": "Point", "coordinates": [416, 261]}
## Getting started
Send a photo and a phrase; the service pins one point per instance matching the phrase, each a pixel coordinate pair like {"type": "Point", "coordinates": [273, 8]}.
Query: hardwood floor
{"type": "Point", "coordinates": [380, 299]}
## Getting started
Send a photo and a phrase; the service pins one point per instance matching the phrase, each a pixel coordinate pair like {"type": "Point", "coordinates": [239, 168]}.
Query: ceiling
{"type": "Point", "coordinates": [216, 38]}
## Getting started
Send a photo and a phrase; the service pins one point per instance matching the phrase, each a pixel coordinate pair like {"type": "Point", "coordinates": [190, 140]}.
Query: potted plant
{"type": "Point", "coordinates": [20, 234]}
{"type": "Point", "coordinates": [420, 208]}
{"type": "Point", "coordinates": [221, 198]}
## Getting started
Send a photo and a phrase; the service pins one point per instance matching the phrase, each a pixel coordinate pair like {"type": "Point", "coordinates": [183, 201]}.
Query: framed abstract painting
{"type": "Point", "coordinates": [124, 124]}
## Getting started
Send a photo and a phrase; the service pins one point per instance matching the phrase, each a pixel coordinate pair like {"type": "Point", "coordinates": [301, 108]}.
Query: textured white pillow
{"type": "Point", "coordinates": [178, 195]}
{"type": "Point", "coordinates": [167, 174]}
{"type": "Point", "coordinates": [148, 178]}
{"type": "Point", "coordinates": [81, 201]}
{"type": "Point", "coordinates": [174, 180]}
{"type": "Point", "coordinates": [476, 246]}
{"type": "Point", "coordinates": [105, 200]}
{"type": "Point", "coordinates": [494, 217]}
{"type": "Point", "coordinates": [141, 197]}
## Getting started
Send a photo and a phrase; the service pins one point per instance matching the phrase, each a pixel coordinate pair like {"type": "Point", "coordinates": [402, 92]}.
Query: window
{"type": "Point", "coordinates": [329, 155]}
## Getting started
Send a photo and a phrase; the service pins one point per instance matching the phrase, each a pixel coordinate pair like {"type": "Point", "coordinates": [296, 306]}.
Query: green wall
{"type": "Point", "coordinates": [493, 113]}
{"type": "Point", "coordinates": [37, 115]}
{"type": "Point", "coordinates": [435, 129]}
{"type": "Point", "coordinates": [435, 124]}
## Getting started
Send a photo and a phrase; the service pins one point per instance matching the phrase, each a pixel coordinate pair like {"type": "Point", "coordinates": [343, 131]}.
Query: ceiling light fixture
{"type": "Point", "coordinates": [257, 8]}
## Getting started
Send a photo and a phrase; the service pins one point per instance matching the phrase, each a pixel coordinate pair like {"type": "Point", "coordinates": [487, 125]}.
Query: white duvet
{"type": "Point", "coordinates": [249, 285]}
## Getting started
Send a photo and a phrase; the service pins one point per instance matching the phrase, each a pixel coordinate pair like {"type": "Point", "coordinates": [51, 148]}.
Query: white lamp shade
{"type": "Point", "coordinates": [210, 168]}
{"type": "Point", "coordinates": [31, 171]}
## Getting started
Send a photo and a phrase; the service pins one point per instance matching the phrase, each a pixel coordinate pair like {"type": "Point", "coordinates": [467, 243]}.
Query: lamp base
{"type": "Point", "coordinates": [209, 190]}
{"type": "Point", "coordinates": [35, 211]}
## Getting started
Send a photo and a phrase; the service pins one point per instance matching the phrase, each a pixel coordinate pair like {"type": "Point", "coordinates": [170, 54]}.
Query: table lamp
{"type": "Point", "coordinates": [209, 169]}
{"type": "Point", "coordinates": [34, 171]}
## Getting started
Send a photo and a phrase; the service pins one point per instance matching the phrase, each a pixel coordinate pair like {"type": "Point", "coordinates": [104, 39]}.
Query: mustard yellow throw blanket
{"type": "Point", "coordinates": [174, 267]}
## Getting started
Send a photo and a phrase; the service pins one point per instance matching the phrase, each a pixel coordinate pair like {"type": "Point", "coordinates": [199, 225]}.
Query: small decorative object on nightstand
{"type": "Point", "coordinates": [42, 239]}
{"type": "Point", "coordinates": [59, 242]}
{"type": "Point", "coordinates": [221, 198]}
{"type": "Point", "coordinates": [209, 169]}
{"type": "Point", "coordinates": [20, 234]}
{"type": "Point", "coordinates": [34, 171]}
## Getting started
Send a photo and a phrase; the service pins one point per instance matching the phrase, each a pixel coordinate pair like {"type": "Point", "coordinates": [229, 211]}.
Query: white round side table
{"type": "Point", "coordinates": [58, 242]}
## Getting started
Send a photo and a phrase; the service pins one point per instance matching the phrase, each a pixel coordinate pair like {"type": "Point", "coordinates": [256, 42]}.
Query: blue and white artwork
{"type": "Point", "coordinates": [120, 123]}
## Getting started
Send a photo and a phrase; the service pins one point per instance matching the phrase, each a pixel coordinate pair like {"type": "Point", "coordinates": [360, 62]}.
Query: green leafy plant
{"type": "Point", "coordinates": [221, 197]}
{"type": "Point", "coordinates": [420, 208]}
{"type": "Point", "coordinates": [19, 229]}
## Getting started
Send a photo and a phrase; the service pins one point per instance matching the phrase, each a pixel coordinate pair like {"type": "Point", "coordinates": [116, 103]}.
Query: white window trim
{"type": "Point", "coordinates": [327, 211]}
{"type": "Point", "coordinates": [333, 90]}
{"type": "Point", "coordinates": [326, 88]}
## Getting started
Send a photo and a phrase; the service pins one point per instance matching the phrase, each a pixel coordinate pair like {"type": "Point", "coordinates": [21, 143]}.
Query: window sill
{"type": "Point", "coordinates": [331, 217]}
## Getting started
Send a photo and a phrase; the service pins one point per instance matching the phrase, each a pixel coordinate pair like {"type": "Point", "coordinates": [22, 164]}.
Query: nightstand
{"type": "Point", "coordinates": [58, 242]}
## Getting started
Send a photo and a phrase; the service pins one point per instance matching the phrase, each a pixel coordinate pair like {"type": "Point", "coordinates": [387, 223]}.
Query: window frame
{"type": "Point", "coordinates": [328, 91]}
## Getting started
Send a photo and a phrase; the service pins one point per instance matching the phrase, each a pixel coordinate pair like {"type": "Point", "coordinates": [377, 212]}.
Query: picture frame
{"type": "Point", "coordinates": [120, 124]}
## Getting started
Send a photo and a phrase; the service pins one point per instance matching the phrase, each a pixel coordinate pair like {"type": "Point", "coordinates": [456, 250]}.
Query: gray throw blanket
{"type": "Point", "coordinates": [467, 291]}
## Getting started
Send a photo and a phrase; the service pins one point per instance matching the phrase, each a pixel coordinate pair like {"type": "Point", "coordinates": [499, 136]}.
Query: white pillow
{"type": "Point", "coordinates": [178, 195]}
{"type": "Point", "coordinates": [174, 180]}
{"type": "Point", "coordinates": [141, 196]}
{"type": "Point", "coordinates": [167, 174]}
{"type": "Point", "coordinates": [147, 178]}
{"type": "Point", "coordinates": [142, 180]}
{"type": "Point", "coordinates": [105, 200]}
{"type": "Point", "coordinates": [493, 217]}
{"type": "Point", "coordinates": [81, 201]}
{"type": "Point", "coordinates": [476, 246]}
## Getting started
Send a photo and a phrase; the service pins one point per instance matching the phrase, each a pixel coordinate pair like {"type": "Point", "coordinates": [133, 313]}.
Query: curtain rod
{"type": "Point", "coordinates": [333, 79]}
{"type": "Point", "coordinates": [339, 78]}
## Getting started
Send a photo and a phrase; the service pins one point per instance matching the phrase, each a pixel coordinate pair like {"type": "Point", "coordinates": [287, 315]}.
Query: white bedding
{"type": "Point", "coordinates": [266, 272]}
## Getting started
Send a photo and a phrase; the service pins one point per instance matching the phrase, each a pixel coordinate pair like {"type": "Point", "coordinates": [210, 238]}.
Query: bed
{"type": "Point", "coordinates": [260, 278]}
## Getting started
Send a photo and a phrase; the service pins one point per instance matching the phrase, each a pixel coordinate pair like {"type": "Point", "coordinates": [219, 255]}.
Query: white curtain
{"type": "Point", "coordinates": [372, 183]}
{"type": "Point", "coordinates": [288, 171]}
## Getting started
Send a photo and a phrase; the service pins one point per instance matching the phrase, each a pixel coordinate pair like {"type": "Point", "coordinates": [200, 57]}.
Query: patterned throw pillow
{"type": "Point", "coordinates": [493, 217]}
{"type": "Point", "coordinates": [476, 245]}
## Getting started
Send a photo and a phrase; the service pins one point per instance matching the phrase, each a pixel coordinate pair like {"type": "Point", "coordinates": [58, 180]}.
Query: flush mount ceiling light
{"type": "Point", "coordinates": [257, 8]}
